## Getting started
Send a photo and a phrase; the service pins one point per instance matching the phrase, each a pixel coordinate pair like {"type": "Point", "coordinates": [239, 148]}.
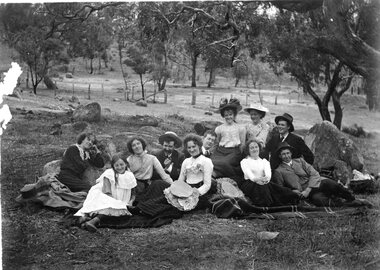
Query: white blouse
{"type": "Point", "coordinates": [197, 170]}
{"type": "Point", "coordinates": [255, 168]}
{"type": "Point", "coordinates": [230, 135]}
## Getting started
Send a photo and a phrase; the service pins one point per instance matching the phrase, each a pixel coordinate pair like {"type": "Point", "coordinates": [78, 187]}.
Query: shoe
{"type": "Point", "coordinates": [91, 225]}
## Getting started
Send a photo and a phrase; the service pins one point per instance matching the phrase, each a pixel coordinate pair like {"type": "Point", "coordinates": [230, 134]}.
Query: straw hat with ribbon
{"type": "Point", "coordinates": [170, 136]}
{"type": "Point", "coordinates": [182, 196]}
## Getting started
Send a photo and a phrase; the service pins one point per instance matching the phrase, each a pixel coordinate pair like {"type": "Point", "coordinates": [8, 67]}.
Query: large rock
{"type": "Point", "coordinates": [149, 130]}
{"type": "Point", "coordinates": [52, 167]}
{"type": "Point", "coordinates": [76, 127]}
{"type": "Point", "coordinates": [91, 113]}
{"type": "Point", "coordinates": [106, 146]}
{"type": "Point", "coordinates": [332, 147]}
{"type": "Point", "coordinates": [92, 173]}
{"type": "Point", "coordinates": [141, 103]}
{"type": "Point", "coordinates": [142, 120]}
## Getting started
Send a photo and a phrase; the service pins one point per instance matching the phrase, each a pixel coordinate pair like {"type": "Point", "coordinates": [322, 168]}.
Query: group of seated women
{"type": "Point", "coordinates": [241, 153]}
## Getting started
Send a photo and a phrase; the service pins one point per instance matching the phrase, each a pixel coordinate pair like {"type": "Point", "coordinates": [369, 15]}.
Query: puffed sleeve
{"type": "Point", "coordinates": [267, 169]}
{"type": "Point", "coordinates": [244, 164]}
{"type": "Point", "coordinates": [182, 174]}
{"type": "Point", "coordinates": [164, 176]}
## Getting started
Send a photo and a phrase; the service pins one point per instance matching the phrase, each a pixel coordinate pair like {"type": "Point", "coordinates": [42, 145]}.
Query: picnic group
{"type": "Point", "coordinates": [267, 172]}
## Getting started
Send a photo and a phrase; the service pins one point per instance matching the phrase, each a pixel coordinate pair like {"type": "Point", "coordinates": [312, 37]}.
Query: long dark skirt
{"type": "Point", "coordinates": [73, 182]}
{"type": "Point", "coordinates": [204, 200]}
{"type": "Point", "coordinates": [226, 162]}
{"type": "Point", "coordinates": [150, 199]}
{"type": "Point", "coordinates": [269, 194]}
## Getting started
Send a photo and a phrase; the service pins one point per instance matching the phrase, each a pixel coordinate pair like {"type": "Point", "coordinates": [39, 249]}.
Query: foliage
{"type": "Point", "coordinates": [138, 60]}
{"type": "Point", "coordinates": [288, 48]}
{"type": "Point", "coordinates": [39, 32]}
{"type": "Point", "coordinates": [89, 39]}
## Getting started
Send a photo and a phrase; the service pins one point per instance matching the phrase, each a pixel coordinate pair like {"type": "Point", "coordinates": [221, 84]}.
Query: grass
{"type": "Point", "coordinates": [35, 238]}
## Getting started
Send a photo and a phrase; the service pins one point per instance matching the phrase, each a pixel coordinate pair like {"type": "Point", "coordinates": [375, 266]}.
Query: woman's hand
{"type": "Point", "coordinates": [306, 193]}
{"type": "Point", "coordinates": [262, 181]}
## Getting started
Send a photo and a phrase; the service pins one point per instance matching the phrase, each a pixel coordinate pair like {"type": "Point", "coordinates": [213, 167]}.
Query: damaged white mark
{"type": "Point", "coordinates": [6, 88]}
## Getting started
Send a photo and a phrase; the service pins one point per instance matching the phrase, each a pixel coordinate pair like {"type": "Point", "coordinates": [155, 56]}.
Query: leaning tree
{"type": "Point", "coordinates": [352, 37]}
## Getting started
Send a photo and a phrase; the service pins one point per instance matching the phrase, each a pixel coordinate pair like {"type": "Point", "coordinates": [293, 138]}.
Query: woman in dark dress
{"type": "Point", "coordinates": [76, 159]}
{"type": "Point", "coordinates": [256, 184]}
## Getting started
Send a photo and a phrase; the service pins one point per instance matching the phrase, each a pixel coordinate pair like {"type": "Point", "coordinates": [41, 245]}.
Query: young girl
{"type": "Point", "coordinates": [231, 138]}
{"type": "Point", "coordinates": [110, 196]}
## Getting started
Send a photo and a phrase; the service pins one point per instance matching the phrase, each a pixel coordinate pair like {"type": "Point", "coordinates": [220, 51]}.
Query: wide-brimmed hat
{"type": "Point", "coordinates": [256, 107]}
{"type": "Point", "coordinates": [288, 118]}
{"type": "Point", "coordinates": [182, 196]}
{"type": "Point", "coordinates": [170, 136]}
{"type": "Point", "coordinates": [284, 145]}
{"type": "Point", "coordinates": [233, 103]}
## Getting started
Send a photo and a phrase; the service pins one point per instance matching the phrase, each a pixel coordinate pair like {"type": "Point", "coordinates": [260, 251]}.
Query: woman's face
{"type": "Point", "coordinates": [229, 116]}
{"type": "Point", "coordinates": [119, 166]}
{"type": "Point", "coordinates": [255, 116]}
{"type": "Point", "coordinates": [193, 148]}
{"type": "Point", "coordinates": [86, 144]}
{"type": "Point", "coordinates": [254, 150]}
{"type": "Point", "coordinates": [137, 147]}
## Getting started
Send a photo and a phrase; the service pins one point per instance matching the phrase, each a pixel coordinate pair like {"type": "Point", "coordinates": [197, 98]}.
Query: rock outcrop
{"type": "Point", "coordinates": [90, 113]}
{"type": "Point", "coordinates": [332, 148]}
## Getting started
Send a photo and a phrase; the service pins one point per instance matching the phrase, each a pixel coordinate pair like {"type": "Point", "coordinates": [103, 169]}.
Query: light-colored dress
{"type": "Point", "coordinates": [197, 170]}
{"type": "Point", "coordinates": [100, 203]}
{"type": "Point", "coordinates": [257, 132]}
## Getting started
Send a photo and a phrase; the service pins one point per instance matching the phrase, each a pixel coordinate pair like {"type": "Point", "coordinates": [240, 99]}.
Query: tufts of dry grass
{"type": "Point", "coordinates": [34, 238]}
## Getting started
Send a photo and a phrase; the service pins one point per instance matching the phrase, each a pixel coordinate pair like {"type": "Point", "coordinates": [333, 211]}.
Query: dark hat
{"type": "Point", "coordinates": [233, 103]}
{"type": "Point", "coordinates": [286, 117]}
{"type": "Point", "coordinates": [170, 136]}
{"type": "Point", "coordinates": [284, 145]}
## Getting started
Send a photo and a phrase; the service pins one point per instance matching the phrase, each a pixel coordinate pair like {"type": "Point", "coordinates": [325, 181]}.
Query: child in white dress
{"type": "Point", "coordinates": [111, 195]}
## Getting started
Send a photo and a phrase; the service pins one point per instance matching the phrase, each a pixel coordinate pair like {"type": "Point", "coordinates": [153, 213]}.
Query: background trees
{"type": "Point", "coordinates": [321, 43]}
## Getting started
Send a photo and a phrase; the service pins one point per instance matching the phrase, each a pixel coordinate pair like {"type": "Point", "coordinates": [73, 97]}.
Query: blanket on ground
{"type": "Point", "coordinates": [51, 193]}
{"type": "Point", "coordinates": [228, 207]}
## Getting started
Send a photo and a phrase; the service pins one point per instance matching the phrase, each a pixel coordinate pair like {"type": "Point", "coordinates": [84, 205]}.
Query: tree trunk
{"type": "Point", "coordinates": [27, 79]}
{"type": "Point", "coordinates": [100, 64]}
{"type": "Point", "coordinates": [162, 85]}
{"type": "Point", "coordinates": [371, 88]}
{"type": "Point", "coordinates": [91, 66]}
{"type": "Point", "coordinates": [120, 48]}
{"type": "Point", "coordinates": [322, 107]}
{"type": "Point", "coordinates": [194, 71]}
{"type": "Point", "coordinates": [154, 91]}
{"type": "Point", "coordinates": [338, 110]}
{"type": "Point", "coordinates": [142, 87]}
{"type": "Point", "coordinates": [211, 78]}
{"type": "Point", "coordinates": [237, 81]}
{"type": "Point", "coordinates": [49, 83]}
